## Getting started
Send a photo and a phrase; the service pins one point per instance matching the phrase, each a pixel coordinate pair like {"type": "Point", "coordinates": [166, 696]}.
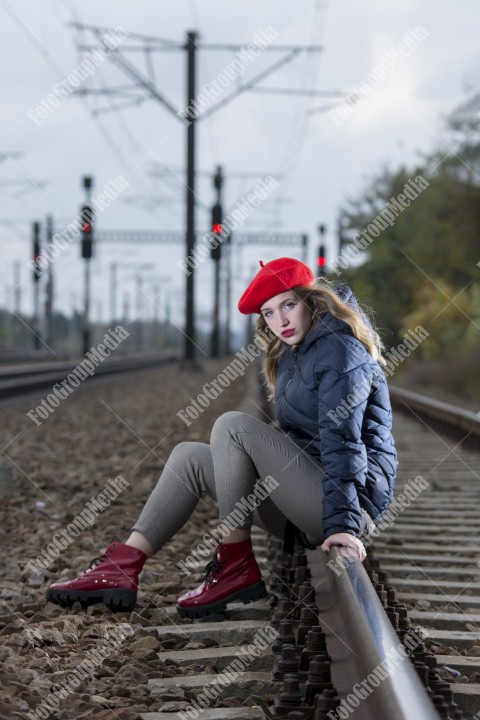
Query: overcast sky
{"type": "Point", "coordinates": [321, 163]}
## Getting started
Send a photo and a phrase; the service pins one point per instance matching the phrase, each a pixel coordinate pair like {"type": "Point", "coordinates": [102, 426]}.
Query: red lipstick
{"type": "Point", "coordinates": [288, 333]}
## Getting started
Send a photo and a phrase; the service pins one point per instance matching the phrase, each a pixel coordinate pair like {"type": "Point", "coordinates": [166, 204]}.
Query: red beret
{"type": "Point", "coordinates": [274, 278]}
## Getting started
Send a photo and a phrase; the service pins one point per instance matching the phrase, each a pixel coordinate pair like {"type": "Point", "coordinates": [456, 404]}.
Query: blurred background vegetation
{"type": "Point", "coordinates": [425, 268]}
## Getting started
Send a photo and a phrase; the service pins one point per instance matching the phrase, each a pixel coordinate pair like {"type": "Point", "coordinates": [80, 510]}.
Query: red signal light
{"type": "Point", "coordinates": [321, 259]}
{"type": "Point", "coordinates": [217, 228]}
{"type": "Point", "coordinates": [86, 223]}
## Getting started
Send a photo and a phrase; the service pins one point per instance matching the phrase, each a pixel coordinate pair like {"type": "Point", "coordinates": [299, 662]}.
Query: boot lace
{"type": "Point", "coordinates": [212, 568]}
{"type": "Point", "coordinates": [101, 558]}
{"type": "Point", "coordinates": [96, 561]}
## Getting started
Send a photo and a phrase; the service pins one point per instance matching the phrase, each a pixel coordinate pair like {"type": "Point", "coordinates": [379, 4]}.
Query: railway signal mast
{"type": "Point", "coordinates": [36, 292]}
{"type": "Point", "coordinates": [322, 258]}
{"type": "Point", "coordinates": [216, 253]}
{"type": "Point", "coordinates": [87, 219]}
{"type": "Point", "coordinates": [49, 287]}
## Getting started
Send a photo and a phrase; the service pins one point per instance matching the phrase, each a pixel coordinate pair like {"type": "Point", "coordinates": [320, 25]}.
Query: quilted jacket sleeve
{"type": "Point", "coordinates": [342, 399]}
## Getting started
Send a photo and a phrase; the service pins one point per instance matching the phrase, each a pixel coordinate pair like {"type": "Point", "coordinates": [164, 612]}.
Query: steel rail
{"type": "Point", "coordinates": [360, 637]}
{"type": "Point", "coordinates": [445, 413]}
{"type": "Point", "coordinates": [26, 378]}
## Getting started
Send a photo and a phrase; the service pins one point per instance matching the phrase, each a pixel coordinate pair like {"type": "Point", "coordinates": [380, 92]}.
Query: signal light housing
{"type": "Point", "coordinates": [217, 229]}
{"type": "Point", "coordinates": [86, 221]}
{"type": "Point", "coordinates": [321, 260]}
{"type": "Point", "coordinates": [36, 252]}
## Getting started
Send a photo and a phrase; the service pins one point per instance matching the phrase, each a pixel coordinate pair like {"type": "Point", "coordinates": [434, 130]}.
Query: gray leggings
{"type": "Point", "coordinates": [242, 450]}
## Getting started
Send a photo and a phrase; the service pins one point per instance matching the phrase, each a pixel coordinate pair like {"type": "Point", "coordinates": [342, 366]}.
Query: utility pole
{"type": "Point", "coordinates": [113, 293]}
{"type": "Point", "coordinates": [16, 295]}
{"type": "Point", "coordinates": [16, 281]}
{"type": "Point", "coordinates": [304, 248]}
{"type": "Point", "coordinates": [138, 312]}
{"type": "Point", "coordinates": [139, 268]}
{"type": "Point", "coordinates": [126, 307]}
{"type": "Point", "coordinates": [157, 337]}
{"type": "Point", "coordinates": [228, 293]}
{"type": "Point", "coordinates": [190, 199]}
{"type": "Point", "coordinates": [249, 318]}
{"type": "Point", "coordinates": [73, 326]}
{"type": "Point", "coordinates": [166, 324]}
{"type": "Point", "coordinates": [154, 336]}
{"type": "Point", "coordinates": [216, 230]}
{"type": "Point", "coordinates": [87, 252]}
{"type": "Point", "coordinates": [49, 287]}
{"type": "Point", "coordinates": [36, 291]}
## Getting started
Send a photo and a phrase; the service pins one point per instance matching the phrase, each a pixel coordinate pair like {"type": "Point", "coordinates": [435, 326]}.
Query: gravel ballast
{"type": "Point", "coordinates": [125, 426]}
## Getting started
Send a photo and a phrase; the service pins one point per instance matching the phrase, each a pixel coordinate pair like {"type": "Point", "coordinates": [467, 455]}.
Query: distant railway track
{"type": "Point", "coordinates": [28, 377]}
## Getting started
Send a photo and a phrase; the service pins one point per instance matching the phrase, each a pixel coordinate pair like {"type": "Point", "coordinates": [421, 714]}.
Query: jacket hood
{"type": "Point", "coordinates": [330, 324]}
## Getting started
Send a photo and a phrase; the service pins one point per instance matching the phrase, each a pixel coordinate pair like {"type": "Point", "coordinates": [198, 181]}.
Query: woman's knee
{"type": "Point", "coordinates": [229, 423]}
{"type": "Point", "coordinates": [188, 452]}
{"type": "Point", "coordinates": [183, 448]}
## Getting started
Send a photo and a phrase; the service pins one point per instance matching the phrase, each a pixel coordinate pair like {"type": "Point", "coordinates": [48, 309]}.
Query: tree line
{"type": "Point", "coordinates": [423, 268]}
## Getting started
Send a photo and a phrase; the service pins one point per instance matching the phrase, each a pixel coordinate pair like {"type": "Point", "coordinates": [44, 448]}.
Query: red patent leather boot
{"type": "Point", "coordinates": [233, 574]}
{"type": "Point", "coordinates": [111, 578]}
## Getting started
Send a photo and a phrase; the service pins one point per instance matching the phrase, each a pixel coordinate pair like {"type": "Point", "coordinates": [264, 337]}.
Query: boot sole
{"type": "Point", "coordinates": [118, 599]}
{"type": "Point", "coordinates": [247, 595]}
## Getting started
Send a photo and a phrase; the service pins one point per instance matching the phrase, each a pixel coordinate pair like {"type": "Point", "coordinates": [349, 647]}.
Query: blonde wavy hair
{"type": "Point", "coordinates": [320, 299]}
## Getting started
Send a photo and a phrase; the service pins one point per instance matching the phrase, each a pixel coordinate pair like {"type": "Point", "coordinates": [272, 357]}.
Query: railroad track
{"type": "Point", "coordinates": [22, 378]}
{"type": "Point", "coordinates": [420, 587]}
{"type": "Point", "coordinates": [420, 590]}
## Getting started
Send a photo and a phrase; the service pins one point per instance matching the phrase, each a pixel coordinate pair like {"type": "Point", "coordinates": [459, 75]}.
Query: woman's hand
{"type": "Point", "coordinates": [354, 545]}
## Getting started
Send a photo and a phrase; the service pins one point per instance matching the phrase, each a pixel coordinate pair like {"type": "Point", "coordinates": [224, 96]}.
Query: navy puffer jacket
{"type": "Point", "coordinates": [332, 400]}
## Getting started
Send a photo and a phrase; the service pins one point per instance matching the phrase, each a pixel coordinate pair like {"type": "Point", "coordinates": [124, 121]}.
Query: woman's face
{"type": "Point", "coordinates": [287, 317]}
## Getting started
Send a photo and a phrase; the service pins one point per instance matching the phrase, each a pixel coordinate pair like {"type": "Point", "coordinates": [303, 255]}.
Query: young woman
{"type": "Point", "coordinates": [330, 469]}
